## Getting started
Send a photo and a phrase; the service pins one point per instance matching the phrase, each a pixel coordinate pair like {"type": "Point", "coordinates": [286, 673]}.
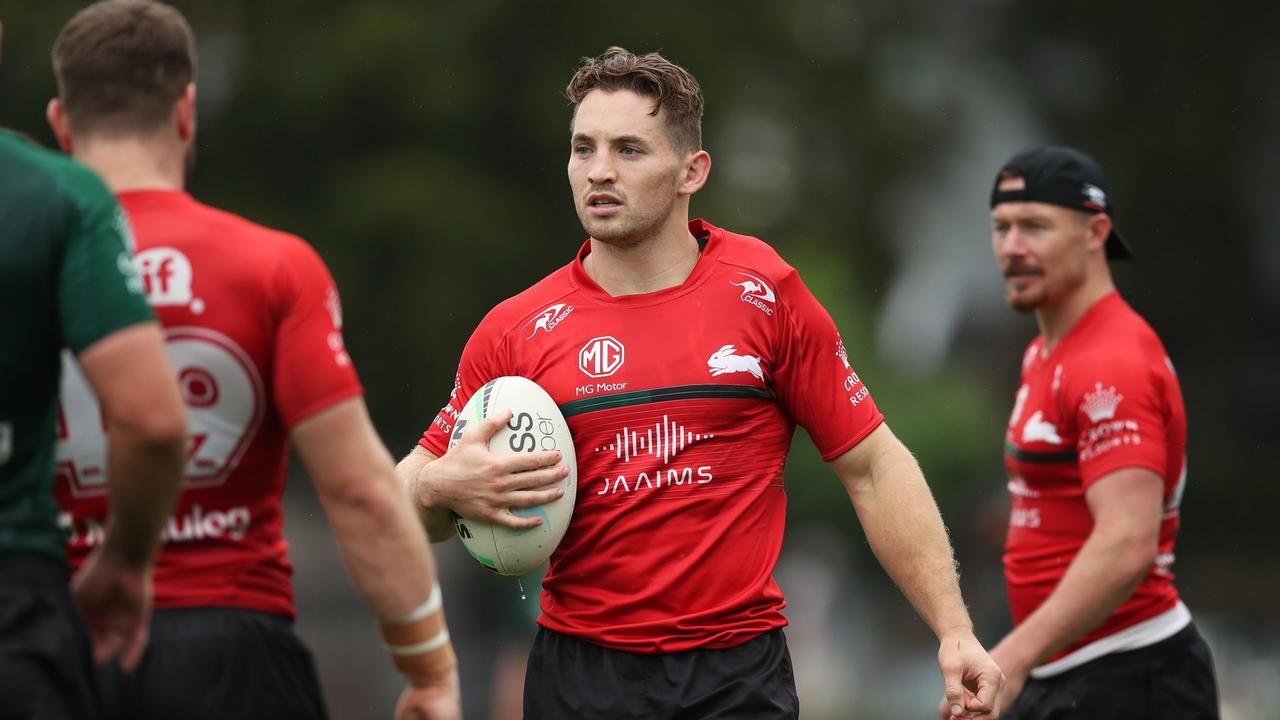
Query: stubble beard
{"type": "Point", "coordinates": [628, 232]}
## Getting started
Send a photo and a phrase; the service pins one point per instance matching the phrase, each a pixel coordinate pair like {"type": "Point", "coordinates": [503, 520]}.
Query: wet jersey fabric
{"type": "Point", "coordinates": [682, 404]}
{"type": "Point", "coordinates": [1105, 399]}
{"type": "Point", "coordinates": [65, 281]}
{"type": "Point", "coordinates": [253, 329]}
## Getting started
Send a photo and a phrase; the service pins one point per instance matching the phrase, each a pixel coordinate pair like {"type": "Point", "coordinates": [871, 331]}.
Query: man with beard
{"type": "Point", "coordinates": [1095, 452]}
{"type": "Point", "coordinates": [253, 327]}
{"type": "Point", "coordinates": [682, 355]}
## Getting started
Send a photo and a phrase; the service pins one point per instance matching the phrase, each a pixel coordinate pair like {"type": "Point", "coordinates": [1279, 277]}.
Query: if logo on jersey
{"type": "Point", "coordinates": [756, 292]}
{"type": "Point", "coordinates": [548, 319]}
{"type": "Point", "coordinates": [166, 278]}
{"type": "Point", "coordinates": [601, 356]}
{"type": "Point", "coordinates": [1039, 429]}
{"type": "Point", "coordinates": [1102, 403]}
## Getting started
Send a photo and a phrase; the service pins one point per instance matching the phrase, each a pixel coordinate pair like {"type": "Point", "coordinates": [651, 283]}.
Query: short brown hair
{"type": "Point", "coordinates": [121, 64]}
{"type": "Point", "coordinates": [649, 75]}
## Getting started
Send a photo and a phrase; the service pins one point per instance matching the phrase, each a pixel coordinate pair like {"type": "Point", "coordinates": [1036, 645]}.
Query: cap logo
{"type": "Point", "coordinates": [1094, 197]}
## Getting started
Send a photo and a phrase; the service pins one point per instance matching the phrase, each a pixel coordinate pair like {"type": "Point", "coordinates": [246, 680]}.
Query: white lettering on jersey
{"type": "Point", "coordinates": [1037, 429]}
{"type": "Point", "coordinates": [166, 278]}
{"type": "Point", "coordinates": [197, 524]}
{"type": "Point", "coordinates": [224, 397]}
{"type": "Point", "coordinates": [723, 361]}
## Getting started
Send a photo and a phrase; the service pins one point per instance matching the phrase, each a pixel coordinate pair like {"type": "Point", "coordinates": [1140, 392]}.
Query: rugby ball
{"type": "Point", "coordinates": [536, 424]}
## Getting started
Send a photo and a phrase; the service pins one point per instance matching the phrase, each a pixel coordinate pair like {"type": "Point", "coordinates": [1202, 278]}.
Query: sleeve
{"type": "Point", "coordinates": [1120, 417]}
{"type": "Point", "coordinates": [480, 363]}
{"type": "Point", "coordinates": [99, 292]}
{"type": "Point", "coordinates": [311, 370]}
{"type": "Point", "coordinates": [814, 379]}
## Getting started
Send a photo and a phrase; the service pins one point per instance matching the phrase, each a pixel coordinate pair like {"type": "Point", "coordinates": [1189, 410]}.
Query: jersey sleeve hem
{"type": "Point", "coordinates": [1095, 475]}
{"type": "Point", "coordinates": [849, 444]}
{"type": "Point", "coordinates": [124, 323]}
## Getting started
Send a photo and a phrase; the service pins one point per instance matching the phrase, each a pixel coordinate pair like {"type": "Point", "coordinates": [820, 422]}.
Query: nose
{"type": "Point", "coordinates": [600, 169]}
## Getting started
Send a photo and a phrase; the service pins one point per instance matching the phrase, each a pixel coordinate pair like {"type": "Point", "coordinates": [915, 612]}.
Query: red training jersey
{"type": "Point", "coordinates": [253, 328]}
{"type": "Point", "coordinates": [682, 404]}
{"type": "Point", "coordinates": [1105, 399]}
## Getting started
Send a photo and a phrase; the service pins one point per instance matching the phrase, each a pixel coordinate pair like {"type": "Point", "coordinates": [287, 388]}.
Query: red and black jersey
{"type": "Point", "coordinates": [682, 404]}
{"type": "Point", "coordinates": [1105, 399]}
{"type": "Point", "coordinates": [253, 329]}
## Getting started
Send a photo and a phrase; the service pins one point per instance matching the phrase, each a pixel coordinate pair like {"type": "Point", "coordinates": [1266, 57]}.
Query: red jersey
{"type": "Point", "coordinates": [682, 404]}
{"type": "Point", "coordinates": [253, 328]}
{"type": "Point", "coordinates": [1105, 399]}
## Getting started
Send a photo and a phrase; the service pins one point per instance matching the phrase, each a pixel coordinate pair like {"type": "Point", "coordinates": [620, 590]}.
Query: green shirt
{"type": "Point", "coordinates": [65, 281]}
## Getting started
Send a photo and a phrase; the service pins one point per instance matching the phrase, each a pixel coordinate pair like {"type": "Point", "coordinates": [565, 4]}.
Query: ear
{"type": "Point", "coordinates": [1099, 228]}
{"type": "Point", "coordinates": [697, 167]}
{"type": "Point", "coordinates": [184, 113]}
{"type": "Point", "coordinates": [56, 113]}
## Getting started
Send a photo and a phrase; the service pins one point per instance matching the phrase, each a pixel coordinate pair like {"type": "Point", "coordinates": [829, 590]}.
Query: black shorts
{"type": "Point", "coordinates": [205, 663]}
{"type": "Point", "coordinates": [1170, 680]}
{"type": "Point", "coordinates": [573, 678]}
{"type": "Point", "coordinates": [46, 663]}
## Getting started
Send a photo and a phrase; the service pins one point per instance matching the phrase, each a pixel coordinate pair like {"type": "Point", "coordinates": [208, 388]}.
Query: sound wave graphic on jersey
{"type": "Point", "coordinates": [661, 440]}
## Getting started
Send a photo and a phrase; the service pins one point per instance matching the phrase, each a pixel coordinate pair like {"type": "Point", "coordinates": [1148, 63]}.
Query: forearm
{"type": "Point", "coordinates": [379, 538]}
{"type": "Point", "coordinates": [413, 472]}
{"type": "Point", "coordinates": [1100, 578]}
{"type": "Point", "coordinates": [906, 533]}
{"type": "Point", "coordinates": [144, 471]}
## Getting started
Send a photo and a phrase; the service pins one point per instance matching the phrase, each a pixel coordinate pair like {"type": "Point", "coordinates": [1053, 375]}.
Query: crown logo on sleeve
{"type": "Point", "coordinates": [1101, 404]}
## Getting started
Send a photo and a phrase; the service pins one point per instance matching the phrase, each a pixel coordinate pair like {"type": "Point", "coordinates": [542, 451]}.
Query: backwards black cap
{"type": "Point", "coordinates": [1067, 177]}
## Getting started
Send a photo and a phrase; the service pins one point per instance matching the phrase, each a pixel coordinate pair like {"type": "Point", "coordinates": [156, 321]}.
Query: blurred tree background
{"type": "Point", "coordinates": [421, 148]}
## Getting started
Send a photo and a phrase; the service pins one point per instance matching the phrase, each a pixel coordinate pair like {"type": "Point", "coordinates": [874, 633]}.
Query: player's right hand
{"type": "Point", "coordinates": [479, 485]}
{"type": "Point", "coordinates": [115, 599]}
{"type": "Point", "coordinates": [437, 698]}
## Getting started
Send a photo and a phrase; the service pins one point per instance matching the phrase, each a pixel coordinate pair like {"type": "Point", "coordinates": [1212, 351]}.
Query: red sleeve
{"type": "Point", "coordinates": [480, 363]}
{"type": "Point", "coordinates": [1120, 415]}
{"type": "Point", "coordinates": [311, 370]}
{"type": "Point", "coordinates": [814, 379]}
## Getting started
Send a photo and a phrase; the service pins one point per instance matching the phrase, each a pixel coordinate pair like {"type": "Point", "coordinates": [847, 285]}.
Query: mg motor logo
{"type": "Point", "coordinates": [601, 357]}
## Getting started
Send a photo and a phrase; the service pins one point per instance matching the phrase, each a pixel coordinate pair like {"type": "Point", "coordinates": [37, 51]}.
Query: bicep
{"type": "Point", "coordinates": [1127, 501]}
{"type": "Point", "coordinates": [858, 466]}
{"type": "Point", "coordinates": [339, 447]}
{"type": "Point", "coordinates": [129, 371]}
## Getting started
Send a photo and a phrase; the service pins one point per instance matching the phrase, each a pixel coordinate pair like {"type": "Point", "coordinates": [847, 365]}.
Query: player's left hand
{"type": "Point", "coordinates": [973, 680]}
{"type": "Point", "coordinates": [435, 698]}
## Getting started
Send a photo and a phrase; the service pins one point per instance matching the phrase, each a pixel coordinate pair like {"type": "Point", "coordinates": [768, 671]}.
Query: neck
{"type": "Point", "coordinates": [656, 263]}
{"type": "Point", "coordinates": [134, 163]}
{"type": "Point", "coordinates": [1056, 319]}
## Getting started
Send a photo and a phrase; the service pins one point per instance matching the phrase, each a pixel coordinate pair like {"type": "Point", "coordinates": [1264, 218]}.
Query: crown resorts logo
{"type": "Point", "coordinates": [1101, 404]}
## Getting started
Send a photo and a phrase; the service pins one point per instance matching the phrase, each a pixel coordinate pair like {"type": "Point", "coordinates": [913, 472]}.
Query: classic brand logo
{"type": "Point", "coordinates": [756, 292]}
{"type": "Point", "coordinates": [548, 319]}
{"type": "Point", "coordinates": [1101, 404]}
{"type": "Point", "coordinates": [166, 278]}
{"type": "Point", "coordinates": [601, 357]}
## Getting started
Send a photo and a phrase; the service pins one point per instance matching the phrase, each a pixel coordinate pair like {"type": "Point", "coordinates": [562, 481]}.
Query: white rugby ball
{"type": "Point", "coordinates": [536, 424]}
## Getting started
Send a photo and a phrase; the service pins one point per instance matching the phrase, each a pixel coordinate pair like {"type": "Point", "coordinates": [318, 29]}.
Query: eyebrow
{"type": "Point", "coordinates": [620, 140]}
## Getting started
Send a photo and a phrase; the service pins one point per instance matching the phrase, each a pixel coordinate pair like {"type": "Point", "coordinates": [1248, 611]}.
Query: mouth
{"type": "Point", "coordinates": [602, 204]}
